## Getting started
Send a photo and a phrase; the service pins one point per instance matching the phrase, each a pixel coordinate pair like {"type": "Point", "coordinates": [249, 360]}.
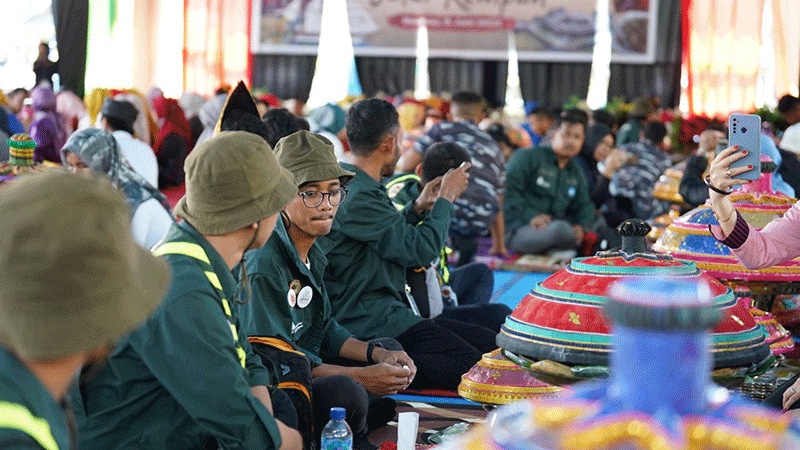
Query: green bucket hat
{"type": "Point", "coordinates": [233, 180]}
{"type": "Point", "coordinates": [309, 157]}
{"type": "Point", "coordinates": [71, 276]}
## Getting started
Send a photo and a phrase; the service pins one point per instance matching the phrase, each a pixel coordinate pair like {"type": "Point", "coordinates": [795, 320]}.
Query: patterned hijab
{"type": "Point", "coordinates": [99, 151]}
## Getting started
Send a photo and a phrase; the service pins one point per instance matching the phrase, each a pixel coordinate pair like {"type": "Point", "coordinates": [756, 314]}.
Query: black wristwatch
{"type": "Point", "coordinates": [370, 347]}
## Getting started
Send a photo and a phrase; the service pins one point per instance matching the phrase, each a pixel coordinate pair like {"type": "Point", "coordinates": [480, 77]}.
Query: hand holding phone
{"type": "Point", "coordinates": [744, 130]}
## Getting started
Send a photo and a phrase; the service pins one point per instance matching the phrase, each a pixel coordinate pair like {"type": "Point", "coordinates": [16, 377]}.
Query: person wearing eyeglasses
{"type": "Point", "coordinates": [290, 301]}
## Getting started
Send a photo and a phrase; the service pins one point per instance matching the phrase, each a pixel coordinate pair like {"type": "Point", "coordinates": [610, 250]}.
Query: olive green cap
{"type": "Point", "coordinates": [309, 157]}
{"type": "Point", "coordinates": [71, 276]}
{"type": "Point", "coordinates": [233, 180]}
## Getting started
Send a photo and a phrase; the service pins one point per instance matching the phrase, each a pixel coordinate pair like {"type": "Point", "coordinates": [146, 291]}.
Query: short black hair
{"type": "Point", "coordinates": [787, 103]}
{"type": "Point", "coordinates": [604, 117]}
{"type": "Point", "coordinates": [303, 124]}
{"type": "Point", "coordinates": [542, 111]}
{"type": "Point", "coordinates": [368, 121]}
{"type": "Point", "coordinates": [655, 131]}
{"type": "Point", "coordinates": [280, 122]}
{"type": "Point", "coordinates": [498, 132]}
{"type": "Point", "coordinates": [238, 120]}
{"type": "Point", "coordinates": [577, 114]}
{"type": "Point", "coordinates": [572, 117]}
{"type": "Point", "coordinates": [118, 124]}
{"type": "Point", "coordinates": [466, 98]}
{"type": "Point", "coordinates": [441, 157]}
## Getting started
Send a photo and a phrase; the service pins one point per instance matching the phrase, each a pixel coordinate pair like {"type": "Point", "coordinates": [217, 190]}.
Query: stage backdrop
{"type": "Point", "coordinates": [546, 30]}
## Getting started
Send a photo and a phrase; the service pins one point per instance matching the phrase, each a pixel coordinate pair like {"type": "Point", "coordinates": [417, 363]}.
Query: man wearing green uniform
{"type": "Point", "coordinates": [72, 281]}
{"type": "Point", "coordinates": [470, 285]}
{"type": "Point", "coordinates": [187, 378]}
{"type": "Point", "coordinates": [643, 111]}
{"type": "Point", "coordinates": [547, 204]}
{"type": "Point", "coordinates": [290, 300]}
{"type": "Point", "coordinates": [373, 243]}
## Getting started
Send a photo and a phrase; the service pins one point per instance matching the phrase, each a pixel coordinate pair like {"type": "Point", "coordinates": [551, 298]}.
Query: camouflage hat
{"type": "Point", "coordinates": [309, 157]}
{"type": "Point", "coordinates": [233, 180]}
{"type": "Point", "coordinates": [71, 276]}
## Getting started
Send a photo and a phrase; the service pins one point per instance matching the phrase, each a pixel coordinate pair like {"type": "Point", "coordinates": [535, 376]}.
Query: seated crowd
{"type": "Point", "coordinates": [307, 264]}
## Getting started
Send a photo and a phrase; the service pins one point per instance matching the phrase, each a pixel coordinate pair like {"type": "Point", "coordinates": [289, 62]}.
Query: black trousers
{"type": "Point", "coordinates": [444, 349]}
{"type": "Point", "coordinates": [339, 391]}
{"type": "Point", "coordinates": [490, 316]}
{"type": "Point", "coordinates": [282, 408]}
{"type": "Point", "coordinates": [473, 283]}
{"type": "Point", "coordinates": [467, 248]}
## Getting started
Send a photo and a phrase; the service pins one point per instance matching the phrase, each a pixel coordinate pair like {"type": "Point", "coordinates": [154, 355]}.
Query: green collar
{"type": "Point", "coordinates": [217, 263]}
{"type": "Point", "coordinates": [362, 177]}
{"type": "Point", "coordinates": [553, 159]}
{"type": "Point", "coordinates": [315, 255]}
{"type": "Point", "coordinates": [36, 396]}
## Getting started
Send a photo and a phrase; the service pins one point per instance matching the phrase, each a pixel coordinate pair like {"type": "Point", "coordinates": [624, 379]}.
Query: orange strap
{"type": "Point", "coordinates": [274, 342]}
{"type": "Point", "coordinates": [297, 386]}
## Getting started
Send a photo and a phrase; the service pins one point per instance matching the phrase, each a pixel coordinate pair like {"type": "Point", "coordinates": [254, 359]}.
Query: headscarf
{"type": "Point", "coordinates": [330, 118]}
{"type": "Point", "coordinates": [174, 122]}
{"type": "Point", "coordinates": [100, 152]}
{"type": "Point", "coordinates": [209, 114]}
{"type": "Point", "coordinates": [43, 101]}
{"type": "Point", "coordinates": [190, 103]}
{"type": "Point", "coordinates": [154, 93]}
{"type": "Point", "coordinates": [411, 115]}
{"type": "Point", "coordinates": [94, 103]}
{"type": "Point", "coordinates": [271, 100]}
{"type": "Point", "coordinates": [71, 107]}
{"type": "Point", "coordinates": [594, 135]}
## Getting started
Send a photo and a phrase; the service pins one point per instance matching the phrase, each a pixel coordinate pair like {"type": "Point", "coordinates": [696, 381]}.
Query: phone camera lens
{"type": "Point", "coordinates": [744, 129]}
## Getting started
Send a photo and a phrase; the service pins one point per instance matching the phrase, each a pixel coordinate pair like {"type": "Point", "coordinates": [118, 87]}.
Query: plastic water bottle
{"type": "Point", "coordinates": [337, 434]}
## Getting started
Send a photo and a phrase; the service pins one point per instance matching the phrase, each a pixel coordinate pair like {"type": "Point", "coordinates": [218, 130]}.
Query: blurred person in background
{"type": "Point", "coordinates": [48, 128]}
{"type": "Point", "coordinates": [43, 68]}
{"type": "Point", "coordinates": [96, 151]}
{"type": "Point", "coordinates": [117, 118]}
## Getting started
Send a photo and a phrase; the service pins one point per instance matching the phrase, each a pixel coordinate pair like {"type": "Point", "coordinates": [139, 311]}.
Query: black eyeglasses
{"type": "Point", "coordinates": [312, 199]}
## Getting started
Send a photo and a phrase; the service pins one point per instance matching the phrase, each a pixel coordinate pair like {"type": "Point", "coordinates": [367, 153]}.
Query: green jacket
{"type": "Point", "coordinates": [181, 379]}
{"type": "Point", "coordinates": [371, 246]}
{"type": "Point", "coordinates": [31, 418]}
{"type": "Point", "coordinates": [271, 270]}
{"type": "Point", "coordinates": [536, 185]}
{"type": "Point", "coordinates": [402, 189]}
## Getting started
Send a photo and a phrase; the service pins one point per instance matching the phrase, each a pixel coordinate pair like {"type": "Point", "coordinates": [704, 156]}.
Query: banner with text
{"type": "Point", "coordinates": [545, 30]}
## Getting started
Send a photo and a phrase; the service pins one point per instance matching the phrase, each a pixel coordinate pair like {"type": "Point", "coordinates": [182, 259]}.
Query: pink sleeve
{"type": "Point", "coordinates": [779, 241]}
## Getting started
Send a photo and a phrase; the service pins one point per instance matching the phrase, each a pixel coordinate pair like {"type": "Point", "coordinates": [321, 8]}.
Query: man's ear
{"type": "Point", "coordinates": [418, 170]}
{"type": "Point", "coordinates": [387, 144]}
